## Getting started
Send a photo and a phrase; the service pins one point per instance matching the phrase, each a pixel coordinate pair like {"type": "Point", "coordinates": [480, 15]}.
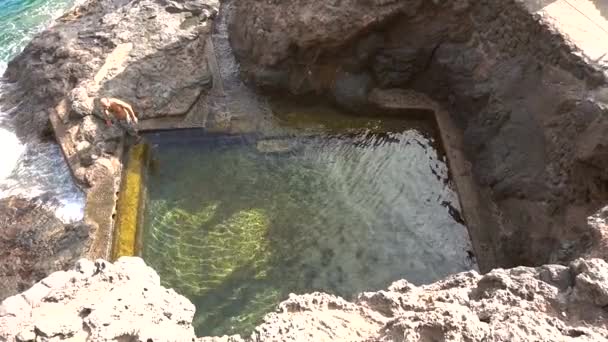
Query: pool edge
{"type": "Point", "coordinates": [130, 200]}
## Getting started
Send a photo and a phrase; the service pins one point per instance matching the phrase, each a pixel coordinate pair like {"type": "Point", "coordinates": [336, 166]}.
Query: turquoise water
{"type": "Point", "coordinates": [33, 169]}
{"type": "Point", "coordinates": [339, 204]}
{"type": "Point", "coordinates": [21, 19]}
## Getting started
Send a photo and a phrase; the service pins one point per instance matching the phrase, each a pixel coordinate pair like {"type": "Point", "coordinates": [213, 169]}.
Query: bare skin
{"type": "Point", "coordinates": [118, 109]}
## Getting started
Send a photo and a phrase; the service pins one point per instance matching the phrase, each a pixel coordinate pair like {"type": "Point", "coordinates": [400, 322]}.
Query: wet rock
{"type": "Point", "coordinates": [35, 243]}
{"type": "Point", "coordinates": [351, 90]}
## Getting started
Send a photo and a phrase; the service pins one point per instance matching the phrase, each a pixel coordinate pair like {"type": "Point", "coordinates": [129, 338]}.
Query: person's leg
{"type": "Point", "coordinates": [132, 130]}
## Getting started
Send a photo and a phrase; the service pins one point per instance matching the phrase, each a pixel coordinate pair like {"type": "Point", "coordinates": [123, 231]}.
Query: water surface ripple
{"type": "Point", "coordinates": [236, 227]}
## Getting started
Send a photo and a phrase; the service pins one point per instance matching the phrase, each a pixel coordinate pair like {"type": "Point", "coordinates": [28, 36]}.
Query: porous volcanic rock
{"type": "Point", "coordinates": [98, 301]}
{"type": "Point", "coordinates": [531, 107]}
{"type": "Point", "coordinates": [125, 302]}
{"type": "Point", "coordinates": [34, 243]}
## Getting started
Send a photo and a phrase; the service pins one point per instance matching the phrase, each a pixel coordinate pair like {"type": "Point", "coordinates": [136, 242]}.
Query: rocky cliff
{"type": "Point", "coordinates": [29, 253]}
{"type": "Point", "coordinates": [152, 54]}
{"type": "Point", "coordinates": [125, 302]}
{"type": "Point", "coordinates": [528, 101]}
{"type": "Point", "coordinates": [149, 53]}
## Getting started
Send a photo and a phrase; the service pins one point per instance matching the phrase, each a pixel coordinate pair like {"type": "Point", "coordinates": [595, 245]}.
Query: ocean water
{"type": "Point", "coordinates": [32, 169]}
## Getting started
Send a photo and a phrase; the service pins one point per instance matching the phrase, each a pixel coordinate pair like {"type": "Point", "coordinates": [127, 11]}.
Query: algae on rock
{"type": "Point", "coordinates": [203, 252]}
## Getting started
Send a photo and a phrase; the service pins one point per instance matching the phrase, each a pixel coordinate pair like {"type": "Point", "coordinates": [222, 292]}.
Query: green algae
{"type": "Point", "coordinates": [128, 205]}
{"type": "Point", "coordinates": [200, 253]}
{"type": "Point", "coordinates": [252, 305]}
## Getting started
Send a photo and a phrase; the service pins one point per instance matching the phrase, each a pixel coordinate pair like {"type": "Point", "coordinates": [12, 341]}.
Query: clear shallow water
{"type": "Point", "coordinates": [236, 227]}
{"type": "Point", "coordinates": [33, 169]}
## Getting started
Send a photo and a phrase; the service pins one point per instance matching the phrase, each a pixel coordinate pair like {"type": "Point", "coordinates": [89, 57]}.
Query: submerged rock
{"type": "Point", "coordinates": [276, 145]}
{"type": "Point", "coordinates": [113, 302]}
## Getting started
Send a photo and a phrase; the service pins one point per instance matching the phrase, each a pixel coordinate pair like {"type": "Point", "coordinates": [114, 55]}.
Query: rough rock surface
{"type": "Point", "coordinates": [531, 105]}
{"type": "Point", "coordinates": [98, 301]}
{"type": "Point", "coordinates": [28, 254]}
{"type": "Point", "coordinates": [549, 303]}
{"type": "Point", "coordinates": [125, 302]}
{"type": "Point", "coordinates": [149, 53]}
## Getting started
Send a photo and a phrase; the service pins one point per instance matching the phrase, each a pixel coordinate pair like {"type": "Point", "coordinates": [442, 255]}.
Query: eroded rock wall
{"type": "Point", "coordinates": [529, 104]}
{"type": "Point", "coordinates": [34, 243]}
{"type": "Point", "coordinates": [124, 301]}
{"type": "Point", "coordinates": [152, 54]}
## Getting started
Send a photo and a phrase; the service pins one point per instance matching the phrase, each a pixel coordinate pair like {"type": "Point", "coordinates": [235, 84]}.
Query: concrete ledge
{"type": "Point", "coordinates": [473, 201]}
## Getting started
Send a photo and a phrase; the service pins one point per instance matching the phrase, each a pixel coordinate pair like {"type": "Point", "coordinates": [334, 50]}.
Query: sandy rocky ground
{"type": "Point", "coordinates": [547, 303]}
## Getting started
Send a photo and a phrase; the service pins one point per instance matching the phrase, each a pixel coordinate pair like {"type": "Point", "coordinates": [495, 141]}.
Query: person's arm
{"type": "Point", "coordinates": [107, 117]}
{"type": "Point", "coordinates": [131, 113]}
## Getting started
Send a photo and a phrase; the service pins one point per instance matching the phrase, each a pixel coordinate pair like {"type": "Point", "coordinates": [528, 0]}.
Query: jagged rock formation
{"type": "Point", "coordinates": [530, 104]}
{"type": "Point", "coordinates": [153, 54]}
{"type": "Point", "coordinates": [150, 53]}
{"type": "Point", "coordinates": [34, 243]}
{"type": "Point", "coordinates": [98, 302]}
{"type": "Point", "coordinates": [125, 302]}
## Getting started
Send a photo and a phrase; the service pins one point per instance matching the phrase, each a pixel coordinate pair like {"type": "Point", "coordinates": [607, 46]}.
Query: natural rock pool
{"type": "Point", "coordinates": [237, 222]}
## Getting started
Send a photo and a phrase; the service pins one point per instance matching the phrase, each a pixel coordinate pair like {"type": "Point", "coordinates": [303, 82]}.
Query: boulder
{"type": "Point", "coordinates": [98, 301]}
{"type": "Point", "coordinates": [125, 301]}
